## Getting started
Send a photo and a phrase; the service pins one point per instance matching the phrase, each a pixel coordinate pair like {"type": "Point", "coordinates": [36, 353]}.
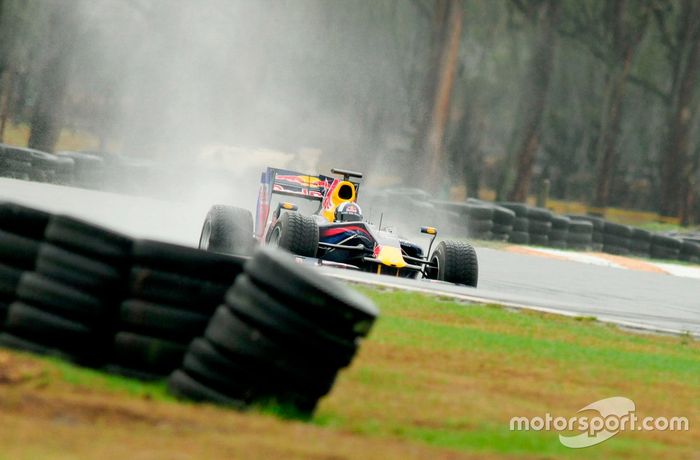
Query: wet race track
{"type": "Point", "coordinates": [639, 299]}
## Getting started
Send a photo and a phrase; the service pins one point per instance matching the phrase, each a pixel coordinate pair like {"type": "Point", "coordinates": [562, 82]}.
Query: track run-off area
{"type": "Point", "coordinates": [556, 283]}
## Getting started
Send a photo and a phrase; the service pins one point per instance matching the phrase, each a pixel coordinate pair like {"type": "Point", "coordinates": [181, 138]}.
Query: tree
{"type": "Point", "coordinates": [677, 165]}
{"type": "Point", "coordinates": [542, 14]}
{"type": "Point", "coordinates": [46, 120]}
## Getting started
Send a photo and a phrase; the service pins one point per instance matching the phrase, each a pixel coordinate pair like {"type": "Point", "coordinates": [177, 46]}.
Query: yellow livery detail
{"type": "Point", "coordinates": [391, 256]}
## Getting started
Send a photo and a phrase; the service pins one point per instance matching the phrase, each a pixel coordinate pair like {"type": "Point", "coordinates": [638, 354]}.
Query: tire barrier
{"type": "Point", "coordinates": [580, 235]}
{"type": "Point", "coordinates": [640, 242]}
{"type": "Point", "coordinates": [559, 234]}
{"type": "Point", "coordinates": [665, 247]}
{"type": "Point", "coordinates": [282, 335]}
{"type": "Point", "coordinates": [690, 251]}
{"type": "Point", "coordinates": [172, 293]}
{"type": "Point", "coordinates": [616, 238]}
{"type": "Point", "coordinates": [598, 225]}
{"type": "Point", "coordinates": [224, 329]}
{"type": "Point", "coordinates": [503, 220]}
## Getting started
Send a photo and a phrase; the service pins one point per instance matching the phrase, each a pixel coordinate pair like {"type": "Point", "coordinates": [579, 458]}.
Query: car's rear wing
{"type": "Point", "coordinates": [276, 181]}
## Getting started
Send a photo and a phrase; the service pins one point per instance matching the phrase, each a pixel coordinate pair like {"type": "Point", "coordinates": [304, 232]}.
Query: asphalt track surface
{"type": "Point", "coordinates": [642, 300]}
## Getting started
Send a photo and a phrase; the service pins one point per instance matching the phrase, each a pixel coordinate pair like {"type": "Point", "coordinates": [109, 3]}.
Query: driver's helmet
{"type": "Point", "coordinates": [348, 212]}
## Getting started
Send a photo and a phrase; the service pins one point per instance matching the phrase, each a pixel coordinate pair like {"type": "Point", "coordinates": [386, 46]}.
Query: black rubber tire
{"type": "Point", "coordinates": [161, 321]}
{"type": "Point", "coordinates": [503, 216]}
{"type": "Point", "coordinates": [617, 250]}
{"type": "Point", "coordinates": [339, 308]}
{"type": "Point", "coordinates": [59, 299]}
{"type": "Point", "coordinates": [579, 238]}
{"type": "Point", "coordinates": [521, 224]}
{"type": "Point", "coordinates": [457, 263]}
{"type": "Point", "coordinates": [295, 233]}
{"type": "Point", "coordinates": [480, 212]}
{"type": "Point", "coordinates": [142, 352]}
{"type": "Point", "coordinates": [520, 209]}
{"type": "Point", "coordinates": [663, 252]}
{"type": "Point", "coordinates": [9, 279]}
{"type": "Point", "coordinates": [236, 380]}
{"type": "Point", "coordinates": [537, 239]}
{"type": "Point", "coordinates": [640, 249]}
{"type": "Point", "coordinates": [228, 230]}
{"type": "Point", "coordinates": [184, 386]}
{"type": "Point", "coordinates": [84, 273]}
{"type": "Point", "coordinates": [262, 310]}
{"type": "Point", "coordinates": [560, 222]}
{"type": "Point", "coordinates": [89, 240]}
{"type": "Point", "coordinates": [690, 249]}
{"type": "Point", "coordinates": [578, 246]}
{"type": "Point", "coordinates": [641, 235]}
{"type": "Point", "coordinates": [195, 263]}
{"type": "Point", "coordinates": [53, 331]}
{"type": "Point", "coordinates": [477, 228]}
{"type": "Point", "coordinates": [217, 372]}
{"type": "Point", "coordinates": [674, 244]}
{"type": "Point", "coordinates": [239, 340]}
{"type": "Point", "coordinates": [558, 236]}
{"type": "Point", "coordinates": [597, 222]}
{"type": "Point", "coordinates": [558, 244]}
{"type": "Point", "coordinates": [610, 240]}
{"type": "Point", "coordinates": [539, 214]}
{"type": "Point", "coordinates": [519, 237]}
{"type": "Point", "coordinates": [173, 289]}
{"type": "Point", "coordinates": [539, 227]}
{"type": "Point", "coordinates": [18, 251]}
{"type": "Point", "coordinates": [21, 220]}
{"type": "Point", "coordinates": [581, 227]}
{"type": "Point", "coordinates": [619, 230]}
{"type": "Point", "coordinates": [22, 344]}
{"type": "Point", "coordinates": [499, 229]}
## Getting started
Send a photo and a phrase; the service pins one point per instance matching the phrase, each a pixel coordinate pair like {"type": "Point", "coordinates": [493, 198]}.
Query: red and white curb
{"type": "Point", "coordinates": [609, 260]}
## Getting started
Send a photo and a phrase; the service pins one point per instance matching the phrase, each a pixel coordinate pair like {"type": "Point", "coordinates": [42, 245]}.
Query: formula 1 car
{"type": "Point", "coordinates": [333, 232]}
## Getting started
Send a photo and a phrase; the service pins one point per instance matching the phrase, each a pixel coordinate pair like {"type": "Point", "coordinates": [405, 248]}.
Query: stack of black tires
{"type": "Point", "coordinates": [616, 238]}
{"type": "Point", "coordinates": [21, 232]}
{"type": "Point", "coordinates": [559, 234]}
{"type": "Point", "coordinates": [598, 229]}
{"type": "Point", "coordinates": [580, 235]}
{"type": "Point", "coordinates": [171, 296]}
{"type": "Point", "coordinates": [282, 335]}
{"type": "Point", "coordinates": [67, 305]}
{"type": "Point", "coordinates": [690, 250]}
{"type": "Point", "coordinates": [640, 242]}
{"type": "Point", "coordinates": [539, 225]}
{"type": "Point", "coordinates": [665, 247]}
{"type": "Point", "coordinates": [521, 223]}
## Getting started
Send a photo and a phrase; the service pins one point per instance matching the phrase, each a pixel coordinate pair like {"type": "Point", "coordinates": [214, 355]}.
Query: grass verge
{"type": "Point", "coordinates": [436, 379]}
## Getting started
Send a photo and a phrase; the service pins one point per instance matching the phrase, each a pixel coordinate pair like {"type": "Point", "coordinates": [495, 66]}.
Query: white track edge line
{"type": "Point", "coordinates": [520, 306]}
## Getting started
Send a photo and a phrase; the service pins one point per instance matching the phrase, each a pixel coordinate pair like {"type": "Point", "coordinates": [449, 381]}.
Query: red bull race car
{"type": "Point", "coordinates": [332, 230]}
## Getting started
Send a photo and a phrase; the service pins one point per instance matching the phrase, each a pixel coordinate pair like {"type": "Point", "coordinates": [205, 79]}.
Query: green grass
{"type": "Point", "coordinates": [448, 376]}
{"type": "Point", "coordinates": [546, 349]}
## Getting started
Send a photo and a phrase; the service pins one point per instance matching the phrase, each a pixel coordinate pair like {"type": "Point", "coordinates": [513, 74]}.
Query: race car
{"type": "Point", "coordinates": [332, 231]}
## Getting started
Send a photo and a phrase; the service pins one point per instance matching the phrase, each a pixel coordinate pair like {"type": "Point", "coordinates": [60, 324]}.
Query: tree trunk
{"type": "Point", "coordinates": [626, 37]}
{"type": "Point", "coordinates": [677, 164]}
{"type": "Point", "coordinates": [610, 131]}
{"type": "Point", "coordinates": [5, 95]}
{"type": "Point", "coordinates": [424, 108]}
{"type": "Point", "coordinates": [53, 80]}
{"type": "Point", "coordinates": [435, 146]}
{"type": "Point", "coordinates": [539, 77]}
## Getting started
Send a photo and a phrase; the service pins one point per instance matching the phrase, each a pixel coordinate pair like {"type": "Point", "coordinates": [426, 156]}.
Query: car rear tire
{"type": "Point", "coordinates": [227, 230]}
{"type": "Point", "coordinates": [456, 262]}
